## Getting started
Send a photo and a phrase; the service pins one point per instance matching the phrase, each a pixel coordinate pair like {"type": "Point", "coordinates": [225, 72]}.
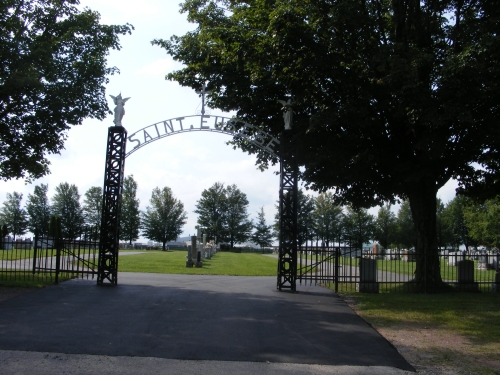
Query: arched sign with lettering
{"type": "Point", "coordinates": [210, 123]}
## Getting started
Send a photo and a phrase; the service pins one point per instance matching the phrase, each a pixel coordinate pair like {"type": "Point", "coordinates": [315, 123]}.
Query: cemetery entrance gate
{"type": "Point", "coordinates": [116, 152]}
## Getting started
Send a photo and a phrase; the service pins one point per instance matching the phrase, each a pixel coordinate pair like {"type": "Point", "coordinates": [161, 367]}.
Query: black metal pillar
{"type": "Point", "coordinates": [111, 206]}
{"type": "Point", "coordinates": [287, 261]}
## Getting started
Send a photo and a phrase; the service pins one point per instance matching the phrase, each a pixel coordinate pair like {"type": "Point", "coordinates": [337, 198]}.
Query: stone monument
{"type": "Point", "coordinates": [367, 276]}
{"type": "Point", "coordinates": [465, 272]}
{"type": "Point", "coordinates": [189, 262]}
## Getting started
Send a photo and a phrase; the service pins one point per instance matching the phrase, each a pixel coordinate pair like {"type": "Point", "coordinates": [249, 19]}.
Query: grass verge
{"type": "Point", "coordinates": [455, 331]}
{"type": "Point", "coordinates": [28, 280]}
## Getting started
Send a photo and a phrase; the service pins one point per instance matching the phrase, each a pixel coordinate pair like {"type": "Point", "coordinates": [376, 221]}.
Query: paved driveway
{"type": "Point", "coordinates": [185, 317]}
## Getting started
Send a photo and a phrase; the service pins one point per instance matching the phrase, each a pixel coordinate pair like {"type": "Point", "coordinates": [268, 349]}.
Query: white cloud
{"type": "Point", "coordinates": [158, 68]}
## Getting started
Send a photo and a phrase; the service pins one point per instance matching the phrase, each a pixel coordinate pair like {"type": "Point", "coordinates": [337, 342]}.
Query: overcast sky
{"type": "Point", "coordinates": [187, 163]}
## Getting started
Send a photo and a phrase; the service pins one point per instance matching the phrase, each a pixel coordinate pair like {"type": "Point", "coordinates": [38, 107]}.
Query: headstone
{"type": "Point", "coordinates": [388, 255]}
{"type": "Point", "coordinates": [7, 243]}
{"type": "Point", "coordinates": [367, 276]}
{"type": "Point", "coordinates": [199, 263]}
{"type": "Point", "coordinates": [194, 247]}
{"type": "Point", "coordinates": [452, 259]}
{"type": "Point", "coordinates": [189, 262]}
{"type": "Point", "coordinates": [496, 284]}
{"type": "Point", "coordinates": [493, 261]}
{"type": "Point", "coordinates": [482, 264]}
{"type": "Point", "coordinates": [465, 272]}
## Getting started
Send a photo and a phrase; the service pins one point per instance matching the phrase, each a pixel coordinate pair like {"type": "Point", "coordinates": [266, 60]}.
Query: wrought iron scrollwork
{"type": "Point", "coordinates": [111, 206]}
{"type": "Point", "coordinates": [287, 260]}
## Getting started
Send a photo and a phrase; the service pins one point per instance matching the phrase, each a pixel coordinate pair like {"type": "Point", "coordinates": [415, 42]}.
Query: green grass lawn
{"type": "Point", "coordinates": [21, 279]}
{"type": "Point", "coordinates": [222, 263]}
{"type": "Point", "coordinates": [475, 316]}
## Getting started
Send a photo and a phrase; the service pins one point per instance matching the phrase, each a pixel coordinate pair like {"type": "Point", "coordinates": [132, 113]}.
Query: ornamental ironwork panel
{"type": "Point", "coordinates": [111, 206]}
{"type": "Point", "coordinates": [287, 259]}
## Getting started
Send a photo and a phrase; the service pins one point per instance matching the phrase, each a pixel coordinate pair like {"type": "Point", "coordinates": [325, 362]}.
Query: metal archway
{"type": "Point", "coordinates": [207, 123]}
{"type": "Point", "coordinates": [114, 175]}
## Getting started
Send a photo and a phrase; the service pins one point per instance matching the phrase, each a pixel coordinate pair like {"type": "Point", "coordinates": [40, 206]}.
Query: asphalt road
{"type": "Point", "coordinates": [152, 323]}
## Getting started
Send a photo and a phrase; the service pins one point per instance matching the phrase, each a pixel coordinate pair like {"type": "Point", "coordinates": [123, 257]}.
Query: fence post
{"type": "Point", "coordinates": [34, 252]}
{"type": "Point", "coordinates": [336, 275]}
{"type": "Point", "coordinates": [58, 258]}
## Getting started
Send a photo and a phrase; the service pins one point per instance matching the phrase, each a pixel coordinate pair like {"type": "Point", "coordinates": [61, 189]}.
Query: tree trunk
{"type": "Point", "coordinates": [422, 197]}
{"type": "Point", "coordinates": [163, 247]}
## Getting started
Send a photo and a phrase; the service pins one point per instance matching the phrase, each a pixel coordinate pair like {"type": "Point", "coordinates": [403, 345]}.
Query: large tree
{"type": "Point", "coordinates": [164, 218]}
{"type": "Point", "coordinates": [328, 219]}
{"type": "Point", "coordinates": [391, 98]}
{"type": "Point", "coordinates": [66, 205]}
{"type": "Point", "coordinates": [130, 220]}
{"type": "Point", "coordinates": [405, 233]}
{"type": "Point", "coordinates": [454, 217]}
{"type": "Point", "coordinates": [358, 226]}
{"type": "Point", "coordinates": [483, 222]}
{"type": "Point", "coordinates": [53, 73]}
{"type": "Point", "coordinates": [385, 227]}
{"type": "Point", "coordinates": [13, 215]}
{"type": "Point", "coordinates": [92, 210]}
{"type": "Point", "coordinates": [238, 226]}
{"type": "Point", "coordinates": [444, 234]}
{"type": "Point", "coordinates": [92, 206]}
{"type": "Point", "coordinates": [211, 210]}
{"type": "Point", "coordinates": [262, 234]}
{"type": "Point", "coordinates": [305, 218]}
{"type": "Point", "coordinates": [38, 209]}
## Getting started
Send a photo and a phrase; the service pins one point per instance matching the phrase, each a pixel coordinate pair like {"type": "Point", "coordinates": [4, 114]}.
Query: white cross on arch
{"type": "Point", "coordinates": [203, 92]}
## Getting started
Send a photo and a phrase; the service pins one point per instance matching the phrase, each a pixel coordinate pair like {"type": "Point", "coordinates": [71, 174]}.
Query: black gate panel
{"type": "Point", "coordinates": [70, 257]}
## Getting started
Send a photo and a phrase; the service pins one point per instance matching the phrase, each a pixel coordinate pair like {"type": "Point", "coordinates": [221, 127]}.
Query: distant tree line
{"type": "Point", "coordinates": [65, 204]}
{"type": "Point", "coordinates": [461, 222]}
{"type": "Point", "coordinates": [162, 221]}
{"type": "Point", "coordinates": [223, 216]}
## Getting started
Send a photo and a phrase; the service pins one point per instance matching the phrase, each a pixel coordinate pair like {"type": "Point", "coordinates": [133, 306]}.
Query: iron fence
{"type": "Point", "coordinates": [47, 259]}
{"type": "Point", "coordinates": [393, 269]}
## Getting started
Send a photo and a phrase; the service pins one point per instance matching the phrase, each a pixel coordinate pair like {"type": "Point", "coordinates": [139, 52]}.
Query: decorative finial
{"type": "Point", "coordinates": [287, 113]}
{"type": "Point", "coordinates": [119, 109]}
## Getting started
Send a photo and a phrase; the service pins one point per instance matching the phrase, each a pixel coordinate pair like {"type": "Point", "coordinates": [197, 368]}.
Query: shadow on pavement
{"type": "Point", "coordinates": [216, 318]}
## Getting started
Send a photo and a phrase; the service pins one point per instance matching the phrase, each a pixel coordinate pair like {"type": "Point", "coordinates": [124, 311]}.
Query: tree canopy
{"type": "Point", "coordinates": [130, 220]}
{"type": "Point", "coordinates": [52, 75]}
{"type": "Point", "coordinates": [391, 99]}
{"type": "Point", "coordinates": [328, 219]}
{"type": "Point", "coordinates": [262, 234]}
{"type": "Point", "coordinates": [164, 218]}
{"type": "Point", "coordinates": [38, 209]}
{"type": "Point", "coordinates": [211, 210]}
{"type": "Point", "coordinates": [92, 206]}
{"type": "Point", "coordinates": [66, 206]}
{"type": "Point", "coordinates": [238, 226]}
{"type": "Point", "coordinates": [223, 213]}
{"type": "Point", "coordinates": [385, 227]}
{"type": "Point", "coordinates": [483, 222]}
{"type": "Point", "coordinates": [13, 215]}
{"type": "Point", "coordinates": [358, 227]}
